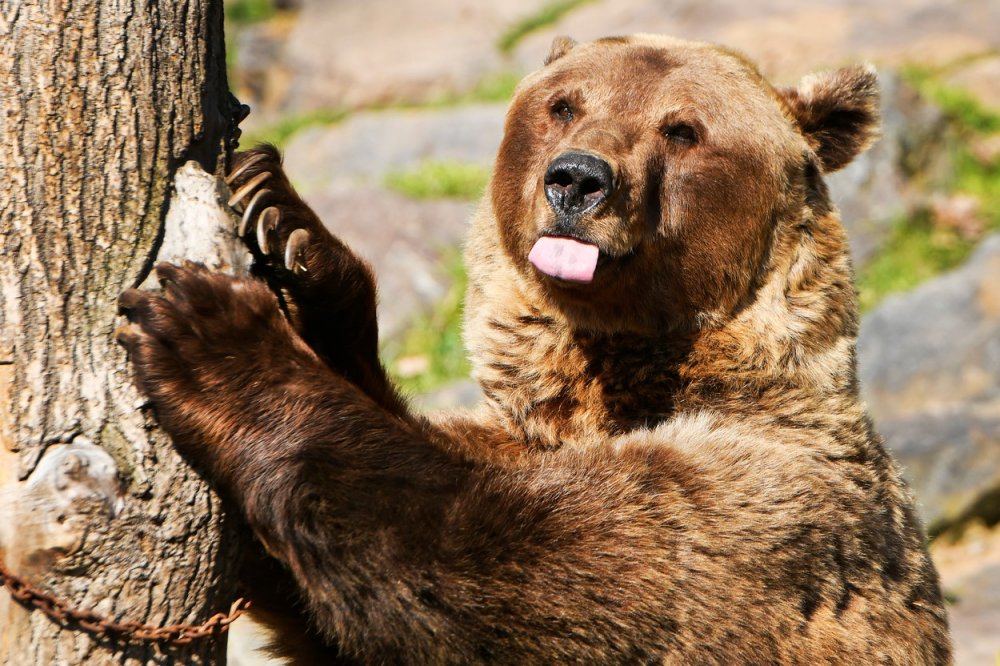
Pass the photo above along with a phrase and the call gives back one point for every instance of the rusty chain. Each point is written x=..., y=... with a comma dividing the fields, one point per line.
x=58, y=610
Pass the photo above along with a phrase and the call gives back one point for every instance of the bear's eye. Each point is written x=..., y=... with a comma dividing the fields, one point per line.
x=562, y=111
x=681, y=133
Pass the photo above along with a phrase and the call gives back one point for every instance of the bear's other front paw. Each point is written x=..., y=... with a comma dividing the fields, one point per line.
x=282, y=230
x=326, y=290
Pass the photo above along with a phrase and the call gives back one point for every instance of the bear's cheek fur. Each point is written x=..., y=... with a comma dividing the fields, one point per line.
x=518, y=200
x=716, y=224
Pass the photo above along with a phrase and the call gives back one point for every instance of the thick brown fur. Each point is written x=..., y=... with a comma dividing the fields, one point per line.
x=672, y=464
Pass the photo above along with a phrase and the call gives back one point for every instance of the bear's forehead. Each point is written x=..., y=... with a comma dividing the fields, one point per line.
x=631, y=65
x=669, y=52
x=650, y=76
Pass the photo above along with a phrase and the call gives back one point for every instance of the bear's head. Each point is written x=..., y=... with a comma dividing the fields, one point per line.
x=649, y=183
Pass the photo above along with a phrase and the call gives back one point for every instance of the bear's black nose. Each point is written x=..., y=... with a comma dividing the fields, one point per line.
x=577, y=182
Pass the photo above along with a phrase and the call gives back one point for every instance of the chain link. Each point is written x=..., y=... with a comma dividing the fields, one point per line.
x=58, y=610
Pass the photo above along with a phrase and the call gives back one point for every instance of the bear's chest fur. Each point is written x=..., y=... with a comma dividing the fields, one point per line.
x=554, y=388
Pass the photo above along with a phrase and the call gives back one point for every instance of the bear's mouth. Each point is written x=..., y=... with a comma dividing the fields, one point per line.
x=566, y=258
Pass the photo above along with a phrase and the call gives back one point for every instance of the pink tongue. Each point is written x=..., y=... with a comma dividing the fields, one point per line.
x=564, y=258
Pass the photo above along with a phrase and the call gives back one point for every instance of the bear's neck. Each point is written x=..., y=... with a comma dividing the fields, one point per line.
x=554, y=385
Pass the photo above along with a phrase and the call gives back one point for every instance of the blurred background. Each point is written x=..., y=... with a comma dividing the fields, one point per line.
x=390, y=112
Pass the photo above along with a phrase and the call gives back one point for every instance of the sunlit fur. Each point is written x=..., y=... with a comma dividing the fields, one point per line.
x=672, y=463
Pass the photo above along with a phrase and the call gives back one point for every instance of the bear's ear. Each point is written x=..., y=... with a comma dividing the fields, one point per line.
x=838, y=112
x=560, y=47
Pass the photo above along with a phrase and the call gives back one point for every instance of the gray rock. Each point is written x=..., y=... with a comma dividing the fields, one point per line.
x=368, y=145
x=951, y=456
x=353, y=54
x=342, y=54
x=976, y=617
x=789, y=39
x=930, y=373
x=258, y=50
x=259, y=75
x=970, y=576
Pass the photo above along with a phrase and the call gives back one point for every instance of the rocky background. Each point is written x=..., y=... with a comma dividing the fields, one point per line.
x=390, y=112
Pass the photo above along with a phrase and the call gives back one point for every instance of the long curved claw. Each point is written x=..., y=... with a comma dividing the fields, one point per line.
x=250, y=161
x=248, y=211
x=248, y=187
x=296, y=244
x=266, y=223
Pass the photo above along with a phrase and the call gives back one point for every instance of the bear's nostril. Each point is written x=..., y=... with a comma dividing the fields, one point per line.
x=559, y=178
x=590, y=188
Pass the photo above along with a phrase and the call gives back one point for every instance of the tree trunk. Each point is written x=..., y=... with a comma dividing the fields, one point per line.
x=100, y=105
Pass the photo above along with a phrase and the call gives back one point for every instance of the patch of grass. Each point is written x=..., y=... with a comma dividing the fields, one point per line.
x=496, y=87
x=917, y=249
x=280, y=132
x=493, y=88
x=961, y=107
x=435, y=340
x=440, y=180
x=249, y=11
x=980, y=180
x=546, y=15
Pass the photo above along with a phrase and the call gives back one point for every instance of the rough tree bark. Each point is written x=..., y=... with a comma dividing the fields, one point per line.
x=101, y=103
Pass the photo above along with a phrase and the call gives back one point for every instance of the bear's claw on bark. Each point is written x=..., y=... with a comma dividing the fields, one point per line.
x=268, y=221
x=325, y=290
x=248, y=187
x=250, y=161
x=293, y=251
x=248, y=212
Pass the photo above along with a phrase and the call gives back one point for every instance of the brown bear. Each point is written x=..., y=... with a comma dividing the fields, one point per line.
x=672, y=463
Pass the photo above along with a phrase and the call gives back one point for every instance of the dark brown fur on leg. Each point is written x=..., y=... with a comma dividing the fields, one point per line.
x=329, y=295
x=232, y=330
x=278, y=604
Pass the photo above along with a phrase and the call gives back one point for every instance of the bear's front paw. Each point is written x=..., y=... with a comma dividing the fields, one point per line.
x=206, y=332
x=327, y=291
x=282, y=230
